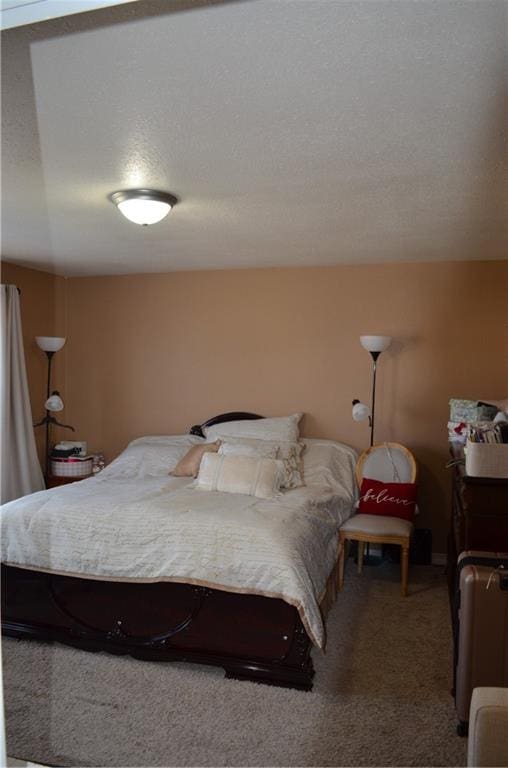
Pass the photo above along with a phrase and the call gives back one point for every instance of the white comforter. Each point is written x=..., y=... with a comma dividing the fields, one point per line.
x=159, y=528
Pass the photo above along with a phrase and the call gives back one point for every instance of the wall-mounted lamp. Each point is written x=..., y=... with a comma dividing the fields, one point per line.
x=143, y=206
x=54, y=403
x=360, y=412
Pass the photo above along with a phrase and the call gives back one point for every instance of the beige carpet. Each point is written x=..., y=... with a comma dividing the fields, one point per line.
x=381, y=696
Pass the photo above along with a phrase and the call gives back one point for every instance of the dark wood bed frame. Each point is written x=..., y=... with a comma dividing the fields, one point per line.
x=252, y=637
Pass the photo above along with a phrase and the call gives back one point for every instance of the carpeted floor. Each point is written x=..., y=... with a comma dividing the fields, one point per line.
x=381, y=696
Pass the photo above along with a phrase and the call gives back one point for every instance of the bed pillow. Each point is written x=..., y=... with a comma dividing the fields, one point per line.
x=188, y=466
x=283, y=428
x=150, y=457
x=289, y=453
x=378, y=497
x=248, y=446
x=330, y=466
x=250, y=475
x=291, y=456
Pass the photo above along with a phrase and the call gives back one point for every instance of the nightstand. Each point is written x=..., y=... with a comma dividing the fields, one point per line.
x=54, y=482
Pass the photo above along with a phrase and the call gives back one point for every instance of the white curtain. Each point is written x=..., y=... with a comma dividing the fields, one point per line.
x=21, y=471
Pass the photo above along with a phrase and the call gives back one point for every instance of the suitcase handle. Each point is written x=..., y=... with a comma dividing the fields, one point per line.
x=503, y=578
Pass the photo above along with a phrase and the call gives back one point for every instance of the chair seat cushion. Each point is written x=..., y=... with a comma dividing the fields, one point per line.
x=377, y=525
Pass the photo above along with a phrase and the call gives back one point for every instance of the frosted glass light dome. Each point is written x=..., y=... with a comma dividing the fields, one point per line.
x=54, y=403
x=50, y=343
x=375, y=343
x=143, y=206
x=360, y=411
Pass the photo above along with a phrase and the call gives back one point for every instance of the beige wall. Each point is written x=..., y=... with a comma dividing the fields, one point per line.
x=153, y=354
x=42, y=310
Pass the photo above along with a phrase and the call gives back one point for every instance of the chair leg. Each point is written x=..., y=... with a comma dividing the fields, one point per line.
x=342, y=556
x=361, y=550
x=404, y=563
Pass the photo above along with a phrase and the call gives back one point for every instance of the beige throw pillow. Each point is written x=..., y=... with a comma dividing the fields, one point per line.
x=291, y=456
x=237, y=446
x=289, y=453
x=249, y=475
x=188, y=466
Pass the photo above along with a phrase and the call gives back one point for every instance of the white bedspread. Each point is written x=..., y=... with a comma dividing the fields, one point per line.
x=161, y=529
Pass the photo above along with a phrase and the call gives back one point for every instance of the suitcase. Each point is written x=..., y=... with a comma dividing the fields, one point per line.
x=481, y=627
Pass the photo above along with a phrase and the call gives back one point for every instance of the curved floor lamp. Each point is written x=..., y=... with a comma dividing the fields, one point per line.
x=54, y=403
x=375, y=345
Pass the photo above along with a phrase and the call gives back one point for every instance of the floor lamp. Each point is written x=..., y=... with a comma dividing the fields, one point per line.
x=374, y=345
x=54, y=403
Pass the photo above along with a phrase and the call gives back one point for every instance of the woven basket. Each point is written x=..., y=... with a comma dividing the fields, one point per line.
x=487, y=459
x=71, y=467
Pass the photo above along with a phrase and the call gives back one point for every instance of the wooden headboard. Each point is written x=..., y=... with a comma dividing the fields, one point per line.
x=197, y=429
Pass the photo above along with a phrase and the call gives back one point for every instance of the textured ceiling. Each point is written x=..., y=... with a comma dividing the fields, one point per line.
x=294, y=133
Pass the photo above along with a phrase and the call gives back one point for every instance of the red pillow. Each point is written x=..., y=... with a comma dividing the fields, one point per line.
x=389, y=499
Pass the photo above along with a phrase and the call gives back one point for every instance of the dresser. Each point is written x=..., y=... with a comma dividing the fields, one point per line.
x=479, y=519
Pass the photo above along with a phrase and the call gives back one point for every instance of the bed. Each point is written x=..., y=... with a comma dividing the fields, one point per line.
x=136, y=562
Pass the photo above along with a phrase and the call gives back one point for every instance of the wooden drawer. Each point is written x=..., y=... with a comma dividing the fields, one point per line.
x=480, y=513
x=53, y=482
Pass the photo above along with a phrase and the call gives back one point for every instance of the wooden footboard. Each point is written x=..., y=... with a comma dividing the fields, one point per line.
x=251, y=637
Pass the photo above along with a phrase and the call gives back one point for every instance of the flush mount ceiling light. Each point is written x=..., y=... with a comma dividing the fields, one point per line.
x=143, y=206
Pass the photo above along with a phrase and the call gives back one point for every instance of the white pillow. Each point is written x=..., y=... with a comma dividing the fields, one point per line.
x=331, y=466
x=279, y=428
x=253, y=476
x=150, y=457
x=289, y=453
x=246, y=446
x=291, y=456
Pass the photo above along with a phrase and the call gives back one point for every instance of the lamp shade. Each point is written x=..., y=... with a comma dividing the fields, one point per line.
x=50, y=343
x=360, y=411
x=54, y=403
x=375, y=343
x=143, y=206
